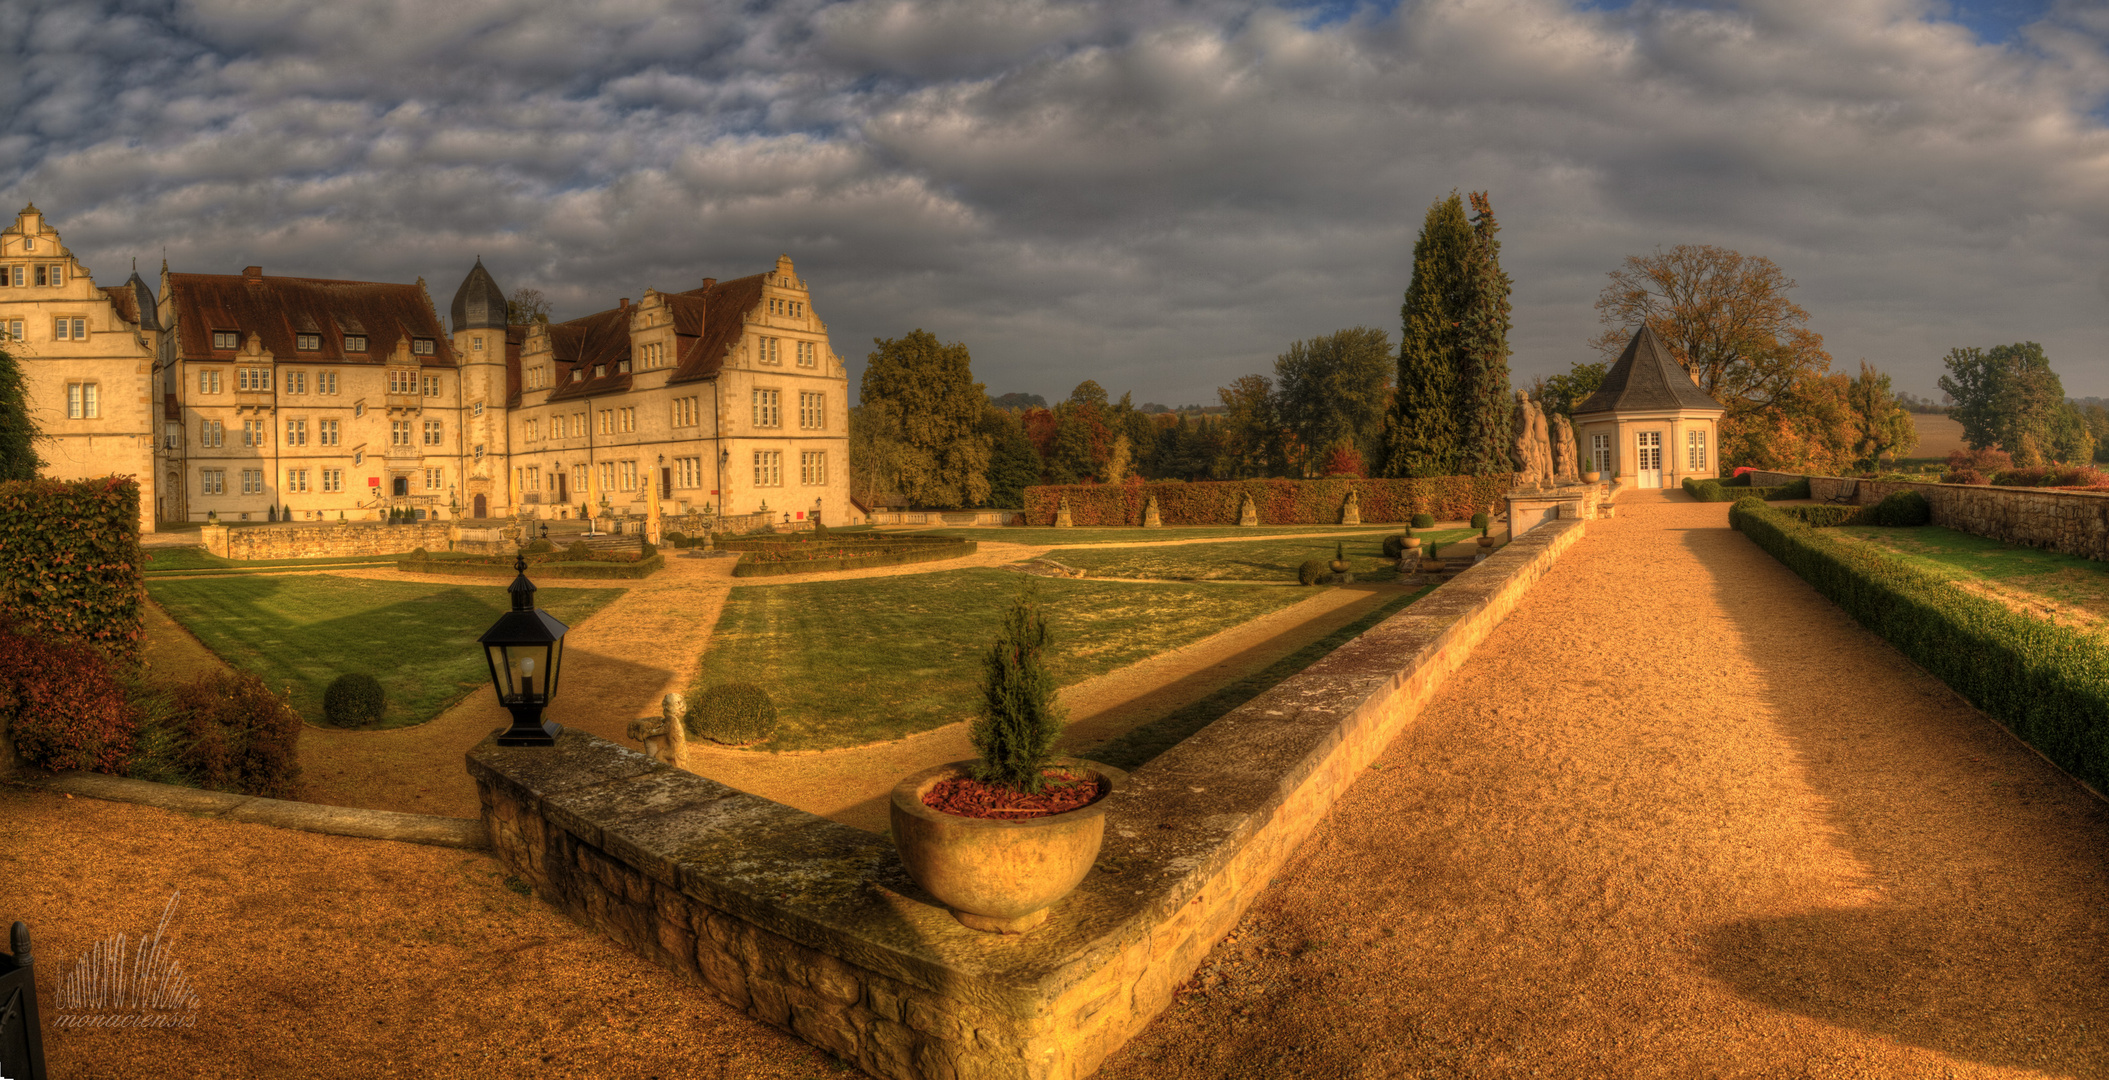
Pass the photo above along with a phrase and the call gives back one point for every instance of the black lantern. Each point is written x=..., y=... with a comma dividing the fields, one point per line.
x=525, y=648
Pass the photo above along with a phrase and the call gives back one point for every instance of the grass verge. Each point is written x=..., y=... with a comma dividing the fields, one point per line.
x=419, y=640
x=860, y=661
x=1139, y=745
x=2050, y=577
x=1247, y=560
x=186, y=559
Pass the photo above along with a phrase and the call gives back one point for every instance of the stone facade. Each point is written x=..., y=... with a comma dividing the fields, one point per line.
x=2074, y=522
x=252, y=396
x=87, y=359
x=815, y=927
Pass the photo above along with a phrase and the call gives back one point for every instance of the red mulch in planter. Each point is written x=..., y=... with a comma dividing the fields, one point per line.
x=967, y=797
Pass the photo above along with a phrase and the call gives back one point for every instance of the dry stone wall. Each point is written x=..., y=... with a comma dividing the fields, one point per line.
x=815, y=927
x=2074, y=522
x=314, y=541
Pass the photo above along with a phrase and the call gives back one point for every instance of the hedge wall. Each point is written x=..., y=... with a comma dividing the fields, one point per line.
x=69, y=561
x=751, y=566
x=1721, y=491
x=2049, y=684
x=504, y=568
x=1280, y=502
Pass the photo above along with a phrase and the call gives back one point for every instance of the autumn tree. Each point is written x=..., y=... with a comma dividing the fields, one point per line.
x=1881, y=426
x=527, y=306
x=1013, y=463
x=1420, y=431
x=2006, y=396
x=1333, y=391
x=931, y=405
x=18, y=434
x=1081, y=438
x=1562, y=393
x=1252, y=445
x=1726, y=318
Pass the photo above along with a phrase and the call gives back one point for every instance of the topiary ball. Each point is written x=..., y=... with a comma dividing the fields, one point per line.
x=1313, y=572
x=354, y=699
x=540, y=547
x=1424, y=521
x=578, y=550
x=735, y=714
x=420, y=553
x=1902, y=509
x=647, y=550
x=1479, y=521
x=677, y=538
x=1393, y=545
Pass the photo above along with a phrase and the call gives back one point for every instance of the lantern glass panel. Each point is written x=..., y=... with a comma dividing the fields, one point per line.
x=501, y=671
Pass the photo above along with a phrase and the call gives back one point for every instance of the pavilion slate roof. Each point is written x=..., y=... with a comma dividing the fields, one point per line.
x=1646, y=377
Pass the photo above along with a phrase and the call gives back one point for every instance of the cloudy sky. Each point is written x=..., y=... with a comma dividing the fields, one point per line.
x=1157, y=195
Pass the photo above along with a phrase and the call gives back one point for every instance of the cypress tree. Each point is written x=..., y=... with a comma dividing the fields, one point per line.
x=1420, y=430
x=1020, y=714
x=18, y=436
x=1484, y=409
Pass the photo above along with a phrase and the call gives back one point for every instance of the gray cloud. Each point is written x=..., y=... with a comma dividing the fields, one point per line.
x=1156, y=195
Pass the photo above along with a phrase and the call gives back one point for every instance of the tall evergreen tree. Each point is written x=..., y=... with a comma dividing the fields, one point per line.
x=1420, y=431
x=1485, y=409
x=18, y=436
x=1013, y=463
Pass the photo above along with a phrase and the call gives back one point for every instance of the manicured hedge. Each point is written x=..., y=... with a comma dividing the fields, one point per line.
x=1720, y=491
x=1280, y=502
x=2049, y=684
x=69, y=561
x=504, y=568
x=756, y=564
x=1823, y=515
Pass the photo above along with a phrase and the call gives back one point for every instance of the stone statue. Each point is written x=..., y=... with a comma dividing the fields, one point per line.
x=1151, y=519
x=1248, y=514
x=1062, y=518
x=1532, y=454
x=1566, y=463
x=1351, y=511
x=665, y=737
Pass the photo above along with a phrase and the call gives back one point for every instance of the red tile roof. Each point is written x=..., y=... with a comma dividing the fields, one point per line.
x=707, y=322
x=276, y=308
x=125, y=300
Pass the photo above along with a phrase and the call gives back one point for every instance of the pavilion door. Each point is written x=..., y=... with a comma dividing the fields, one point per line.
x=1648, y=460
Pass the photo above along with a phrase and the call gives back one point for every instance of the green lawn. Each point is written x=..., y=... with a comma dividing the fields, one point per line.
x=419, y=640
x=2080, y=587
x=1133, y=535
x=1133, y=749
x=1248, y=560
x=181, y=559
x=859, y=661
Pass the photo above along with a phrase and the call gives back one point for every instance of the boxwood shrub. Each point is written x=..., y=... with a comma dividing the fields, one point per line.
x=2047, y=683
x=1899, y=509
x=732, y=713
x=1314, y=572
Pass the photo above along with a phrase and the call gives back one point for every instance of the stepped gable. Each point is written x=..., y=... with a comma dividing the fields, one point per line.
x=1646, y=378
x=275, y=308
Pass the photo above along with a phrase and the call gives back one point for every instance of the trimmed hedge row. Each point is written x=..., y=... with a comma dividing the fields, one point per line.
x=1717, y=491
x=552, y=569
x=1280, y=502
x=69, y=561
x=2049, y=684
x=758, y=543
x=749, y=566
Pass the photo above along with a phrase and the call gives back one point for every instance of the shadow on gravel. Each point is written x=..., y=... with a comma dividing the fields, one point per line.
x=1990, y=867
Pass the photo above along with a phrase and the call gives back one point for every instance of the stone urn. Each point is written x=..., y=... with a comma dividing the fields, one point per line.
x=999, y=876
x=1486, y=544
x=1591, y=476
x=1412, y=544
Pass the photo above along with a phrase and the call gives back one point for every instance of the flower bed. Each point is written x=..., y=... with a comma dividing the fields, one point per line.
x=813, y=557
x=1279, y=502
x=610, y=566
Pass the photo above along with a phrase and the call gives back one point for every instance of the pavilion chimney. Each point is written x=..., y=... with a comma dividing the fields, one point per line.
x=709, y=281
x=253, y=273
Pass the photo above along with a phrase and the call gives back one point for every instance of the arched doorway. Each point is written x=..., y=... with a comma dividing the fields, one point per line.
x=480, y=507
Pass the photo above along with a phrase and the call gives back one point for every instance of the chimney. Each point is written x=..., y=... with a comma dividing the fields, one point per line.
x=626, y=303
x=709, y=281
x=253, y=273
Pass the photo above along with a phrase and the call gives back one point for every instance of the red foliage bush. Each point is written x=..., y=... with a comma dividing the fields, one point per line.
x=238, y=735
x=1741, y=470
x=2083, y=476
x=1965, y=476
x=1979, y=463
x=1343, y=461
x=1280, y=502
x=64, y=705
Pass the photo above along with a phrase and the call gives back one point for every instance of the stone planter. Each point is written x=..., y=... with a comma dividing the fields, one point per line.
x=1412, y=544
x=1486, y=544
x=998, y=876
x=1592, y=476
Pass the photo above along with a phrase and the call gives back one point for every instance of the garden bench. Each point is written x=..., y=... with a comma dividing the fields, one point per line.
x=1849, y=495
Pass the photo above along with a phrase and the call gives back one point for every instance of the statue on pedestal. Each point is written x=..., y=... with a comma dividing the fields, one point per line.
x=1566, y=458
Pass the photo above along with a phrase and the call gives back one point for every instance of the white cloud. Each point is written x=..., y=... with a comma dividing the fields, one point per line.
x=1153, y=194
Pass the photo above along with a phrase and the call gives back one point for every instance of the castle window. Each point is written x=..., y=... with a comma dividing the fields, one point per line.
x=296, y=382
x=327, y=431
x=83, y=401
x=212, y=481
x=296, y=479
x=325, y=382
x=812, y=410
x=17, y=276
x=808, y=354
x=421, y=346
x=211, y=433
x=768, y=468
x=209, y=381
x=476, y=343
x=812, y=467
x=296, y=433
x=766, y=409
x=435, y=432
x=354, y=343
x=333, y=479
x=431, y=386
x=12, y=329
x=226, y=339
x=40, y=275
x=307, y=342
x=63, y=329
x=476, y=409
x=252, y=481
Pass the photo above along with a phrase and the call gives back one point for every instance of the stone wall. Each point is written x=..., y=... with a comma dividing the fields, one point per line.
x=314, y=541
x=815, y=927
x=947, y=518
x=2074, y=522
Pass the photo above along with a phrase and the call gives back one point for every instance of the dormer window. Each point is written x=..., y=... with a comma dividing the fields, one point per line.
x=578, y=374
x=354, y=343
x=599, y=370
x=622, y=367
x=307, y=342
x=226, y=339
x=421, y=346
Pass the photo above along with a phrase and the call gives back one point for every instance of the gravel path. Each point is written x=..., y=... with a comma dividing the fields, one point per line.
x=1680, y=817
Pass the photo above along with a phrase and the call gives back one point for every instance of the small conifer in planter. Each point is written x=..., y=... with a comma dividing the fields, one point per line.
x=1020, y=717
